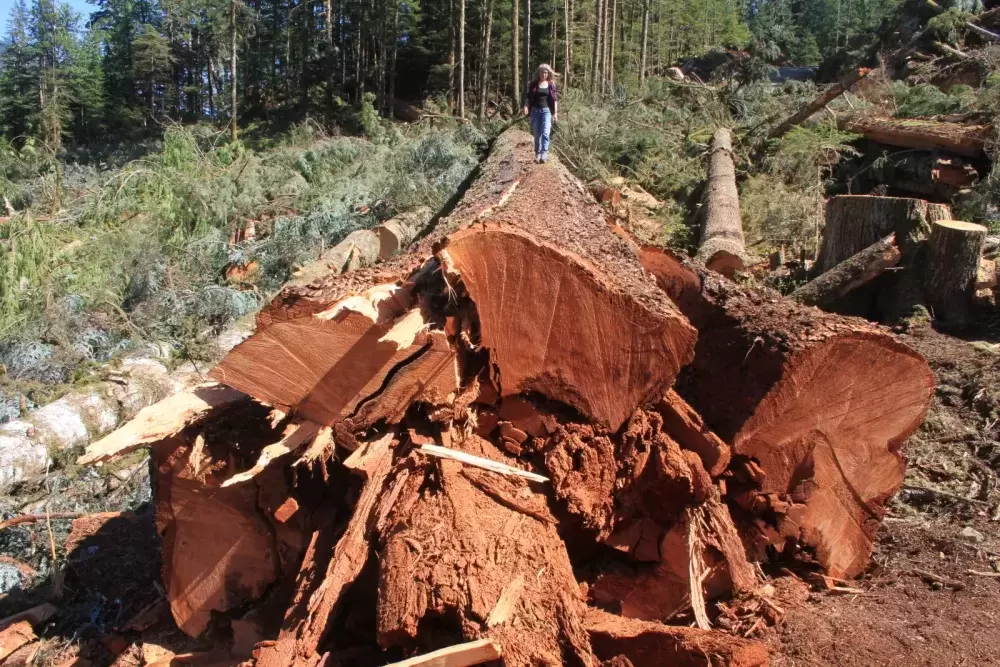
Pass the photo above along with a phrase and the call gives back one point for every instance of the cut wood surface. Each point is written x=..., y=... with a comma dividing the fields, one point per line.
x=855, y=222
x=461, y=655
x=397, y=233
x=957, y=138
x=955, y=250
x=821, y=402
x=722, y=246
x=849, y=274
x=14, y=637
x=162, y=421
x=820, y=101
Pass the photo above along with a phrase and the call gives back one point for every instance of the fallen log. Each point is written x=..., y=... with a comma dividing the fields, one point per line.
x=399, y=232
x=827, y=96
x=955, y=250
x=565, y=268
x=957, y=138
x=722, y=246
x=849, y=274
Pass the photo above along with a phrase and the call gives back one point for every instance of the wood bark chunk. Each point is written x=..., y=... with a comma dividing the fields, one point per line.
x=162, y=421
x=952, y=267
x=14, y=637
x=461, y=655
x=937, y=212
x=966, y=140
x=651, y=644
x=584, y=308
x=855, y=222
x=218, y=550
x=821, y=402
x=685, y=424
x=820, y=101
x=722, y=247
x=451, y=549
x=853, y=272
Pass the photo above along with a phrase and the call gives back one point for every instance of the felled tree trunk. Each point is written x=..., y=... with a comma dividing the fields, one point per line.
x=722, y=246
x=966, y=140
x=399, y=232
x=584, y=308
x=850, y=274
x=820, y=403
x=955, y=249
x=924, y=173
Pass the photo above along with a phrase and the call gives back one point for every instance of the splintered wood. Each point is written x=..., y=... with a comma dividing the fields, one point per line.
x=417, y=459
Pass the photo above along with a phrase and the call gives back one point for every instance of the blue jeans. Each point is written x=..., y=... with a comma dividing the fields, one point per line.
x=541, y=125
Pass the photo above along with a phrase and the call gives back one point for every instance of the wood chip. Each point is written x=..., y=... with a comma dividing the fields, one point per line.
x=480, y=462
x=461, y=655
x=506, y=602
x=294, y=439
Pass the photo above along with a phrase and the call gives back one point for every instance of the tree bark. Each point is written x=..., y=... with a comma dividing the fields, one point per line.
x=461, y=59
x=644, y=50
x=722, y=247
x=614, y=39
x=517, y=86
x=960, y=139
x=484, y=65
x=821, y=101
x=955, y=249
x=234, y=129
x=595, y=68
x=527, y=39
x=850, y=274
x=854, y=222
x=452, y=41
x=937, y=212
x=567, y=46
x=604, y=45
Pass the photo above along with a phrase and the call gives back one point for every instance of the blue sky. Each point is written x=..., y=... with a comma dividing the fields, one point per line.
x=80, y=6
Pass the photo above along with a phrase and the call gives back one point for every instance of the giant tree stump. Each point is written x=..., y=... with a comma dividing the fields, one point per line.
x=952, y=267
x=855, y=222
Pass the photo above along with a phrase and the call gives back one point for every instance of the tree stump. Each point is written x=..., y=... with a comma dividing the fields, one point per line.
x=952, y=265
x=854, y=222
x=722, y=246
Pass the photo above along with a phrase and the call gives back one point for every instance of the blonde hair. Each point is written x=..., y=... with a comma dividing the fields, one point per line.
x=543, y=68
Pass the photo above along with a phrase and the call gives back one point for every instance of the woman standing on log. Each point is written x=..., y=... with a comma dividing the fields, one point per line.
x=541, y=99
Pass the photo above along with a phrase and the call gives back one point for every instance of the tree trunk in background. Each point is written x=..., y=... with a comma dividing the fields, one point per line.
x=555, y=37
x=515, y=64
x=392, y=61
x=614, y=38
x=605, y=38
x=527, y=39
x=595, y=69
x=461, y=59
x=484, y=65
x=568, y=46
x=330, y=63
x=234, y=129
x=644, y=49
x=452, y=37
x=952, y=266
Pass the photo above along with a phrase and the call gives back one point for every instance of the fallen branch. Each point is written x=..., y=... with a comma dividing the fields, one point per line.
x=821, y=101
x=850, y=274
x=932, y=578
x=32, y=518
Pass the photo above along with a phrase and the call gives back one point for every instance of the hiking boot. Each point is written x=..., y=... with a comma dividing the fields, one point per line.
x=538, y=158
x=544, y=158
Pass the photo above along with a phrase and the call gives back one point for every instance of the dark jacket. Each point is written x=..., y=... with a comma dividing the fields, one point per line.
x=532, y=89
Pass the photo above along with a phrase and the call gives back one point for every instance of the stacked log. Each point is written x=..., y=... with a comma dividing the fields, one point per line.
x=418, y=449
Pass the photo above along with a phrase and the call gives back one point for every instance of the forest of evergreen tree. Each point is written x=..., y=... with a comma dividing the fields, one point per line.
x=132, y=65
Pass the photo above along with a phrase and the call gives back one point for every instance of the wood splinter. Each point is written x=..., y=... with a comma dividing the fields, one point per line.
x=460, y=655
x=480, y=462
